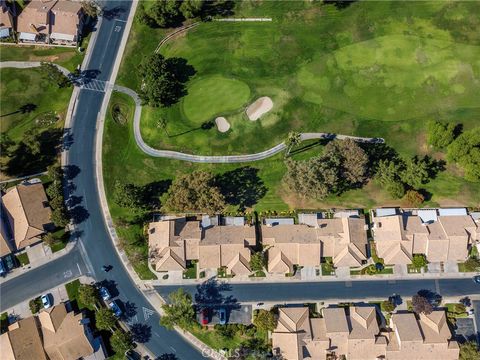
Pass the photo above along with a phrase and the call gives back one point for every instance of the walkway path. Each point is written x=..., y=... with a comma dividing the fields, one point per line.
x=183, y=156
x=220, y=159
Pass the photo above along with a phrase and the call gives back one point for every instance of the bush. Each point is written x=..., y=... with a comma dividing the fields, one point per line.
x=472, y=264
x=419, y=261
x=387, y=306
x=35, y=305
x=414, y=198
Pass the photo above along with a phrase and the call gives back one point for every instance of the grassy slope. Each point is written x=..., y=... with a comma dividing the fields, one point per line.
x=330, y=32
x=20, y=87
x=66, y=57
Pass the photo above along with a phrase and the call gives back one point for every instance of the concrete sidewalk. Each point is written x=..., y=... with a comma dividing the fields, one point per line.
x=38, y=261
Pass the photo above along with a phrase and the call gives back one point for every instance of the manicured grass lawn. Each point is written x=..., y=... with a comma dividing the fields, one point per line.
x=62, y=238
x=362, y=70
x=23, y=259
x=3, y=322
x=384, y=271
x=216, y=341
x=452, y=311
x=72, y=292
x=214, y=95
x=67, y=57
x=28, y=102
x=190, y=272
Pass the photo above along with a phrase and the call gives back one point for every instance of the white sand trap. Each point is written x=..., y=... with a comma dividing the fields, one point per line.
x=222, y=124
x=259, y=107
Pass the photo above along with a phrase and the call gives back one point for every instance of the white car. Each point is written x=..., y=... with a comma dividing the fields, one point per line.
x=46, y=301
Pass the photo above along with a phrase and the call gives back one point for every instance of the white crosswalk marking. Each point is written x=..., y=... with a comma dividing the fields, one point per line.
x=95, y=85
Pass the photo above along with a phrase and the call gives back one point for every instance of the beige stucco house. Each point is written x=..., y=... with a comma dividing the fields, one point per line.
x=54, y=334
x=343, y=239
x=174, y=242
x=356, y=335
x=50, y=21
x=6, y=20
x=27, y=212
x=439, y=234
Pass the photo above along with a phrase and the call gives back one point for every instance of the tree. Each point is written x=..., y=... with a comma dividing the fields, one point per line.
x=387, y=306
x=105, y=319
x=143, y=17
x=414, y=198
x=88, y=294
x=421, y=305
x=54, y=74
x=342, y=166
x=440, y=135
x=90, y=7
x=469, y=351
x=179, y=312
x=293, y=139
x=465, y=151
x=121, y=341
x=258, y=261
x=395, y=189
x=30, y=139
x=165, y=12
x=127, y=195
x=60, y=216
x=191, y=8
x=163, y=80
x=49, y=239
x=416, y=172
x=194, y=192
x=419, y=261
x=265, y=320
x=5, y=144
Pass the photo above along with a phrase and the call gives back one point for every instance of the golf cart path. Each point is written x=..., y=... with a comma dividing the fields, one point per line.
x=221, y=159
x=191, y=157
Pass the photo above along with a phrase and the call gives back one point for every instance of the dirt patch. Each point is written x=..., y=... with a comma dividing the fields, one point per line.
x=222, y=124
x=259, y=107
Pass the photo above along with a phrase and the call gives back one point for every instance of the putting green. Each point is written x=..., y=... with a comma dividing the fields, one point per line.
x=214, y=95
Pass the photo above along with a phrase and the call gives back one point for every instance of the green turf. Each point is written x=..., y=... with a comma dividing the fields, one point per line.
x=21, y=87
x=214, y=95
x=67, y=57
x=370, y=69
x=23, y=259
x=72, y=292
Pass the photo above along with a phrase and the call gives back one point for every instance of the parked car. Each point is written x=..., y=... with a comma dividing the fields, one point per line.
x=3, y=269
x=115, y=308
x=105, y=294
x=46, y=301
x=204, y=317
x=476, y=279
x=222, y=316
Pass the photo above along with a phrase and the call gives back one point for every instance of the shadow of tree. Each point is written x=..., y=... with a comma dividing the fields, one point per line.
x=210, y=294
x=24, y=109
x=167, y=357
x=152, y=192
x=34, y=155
x=71, y=171
x=79, y=214
x=141, y=333
x=213, y=8
x=242, y=186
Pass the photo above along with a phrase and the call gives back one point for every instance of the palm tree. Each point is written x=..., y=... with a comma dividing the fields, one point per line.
x=293, y=139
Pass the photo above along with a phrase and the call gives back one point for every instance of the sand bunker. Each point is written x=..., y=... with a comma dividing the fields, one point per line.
x=222, y=124
x=259, y=107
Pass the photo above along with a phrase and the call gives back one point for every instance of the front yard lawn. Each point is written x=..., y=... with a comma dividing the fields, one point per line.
x=61, y=240
x=191, y=271
x=456, y=310
x=327, y=267
x=23, y=259
x=72, y=291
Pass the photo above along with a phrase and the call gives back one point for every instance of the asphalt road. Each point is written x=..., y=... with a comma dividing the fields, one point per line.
x=341, y=290
x=48, y=276
x=90, y=226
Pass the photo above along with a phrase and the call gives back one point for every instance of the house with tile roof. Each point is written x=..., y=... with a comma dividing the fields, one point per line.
x=50, y=21
x=27, y=212
x=355, y=334
x=174, y=242
x=6, y=20
x=344, y=239
x=441, y=238
x=55, y=334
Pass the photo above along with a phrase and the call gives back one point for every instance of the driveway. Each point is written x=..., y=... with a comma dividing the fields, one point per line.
x=240, y=315
x=465, y=329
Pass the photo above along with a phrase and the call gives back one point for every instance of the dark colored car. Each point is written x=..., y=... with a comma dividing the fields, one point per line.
x=222, y=316
x=476, y=279
x=105, y=294
x=204, y=317
x=115, y=308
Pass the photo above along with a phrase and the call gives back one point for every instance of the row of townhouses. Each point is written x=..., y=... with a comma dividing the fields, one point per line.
x=442, y=235
x=42, y=22
x=355, y=333
x=54, y=333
